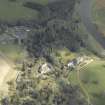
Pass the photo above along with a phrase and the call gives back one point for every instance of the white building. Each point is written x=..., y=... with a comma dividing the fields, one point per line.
x=46, y=68
x=71, y=64
x=80, y=60
x=75, y=62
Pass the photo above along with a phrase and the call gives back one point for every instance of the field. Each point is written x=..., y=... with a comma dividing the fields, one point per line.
x=14, y=10
x=99, y=14
x=65, y=55
x=93, y=81
x=13, y=52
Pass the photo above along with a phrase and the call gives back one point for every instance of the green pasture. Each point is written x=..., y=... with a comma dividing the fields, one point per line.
x=14, y=10
x=93, y=80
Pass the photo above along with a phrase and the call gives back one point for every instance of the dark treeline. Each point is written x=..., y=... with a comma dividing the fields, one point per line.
x=62, y=9
x=33, y=5
x=55, y=35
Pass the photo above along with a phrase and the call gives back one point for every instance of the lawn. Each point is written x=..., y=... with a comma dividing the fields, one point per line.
x=93, y=80
x=13, y=11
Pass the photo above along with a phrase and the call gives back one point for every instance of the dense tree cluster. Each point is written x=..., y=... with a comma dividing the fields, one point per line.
x=55, y=34
x=55, y=30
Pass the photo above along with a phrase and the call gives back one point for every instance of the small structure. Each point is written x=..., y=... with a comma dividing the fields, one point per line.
x=27, y=30
x=45, y=68
x=80, y=60
x=75, y=62
x=71, y=64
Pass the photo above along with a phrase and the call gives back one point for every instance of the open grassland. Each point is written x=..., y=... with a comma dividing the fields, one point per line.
x=13, y=52
x=99, y=14
x=93, y=80
x=14, y=10
x=65, y=55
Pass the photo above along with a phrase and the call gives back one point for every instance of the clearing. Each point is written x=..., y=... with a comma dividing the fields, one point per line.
x=7, y=73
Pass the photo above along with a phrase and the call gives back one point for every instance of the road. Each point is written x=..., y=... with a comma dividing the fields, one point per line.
x=86, y=17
